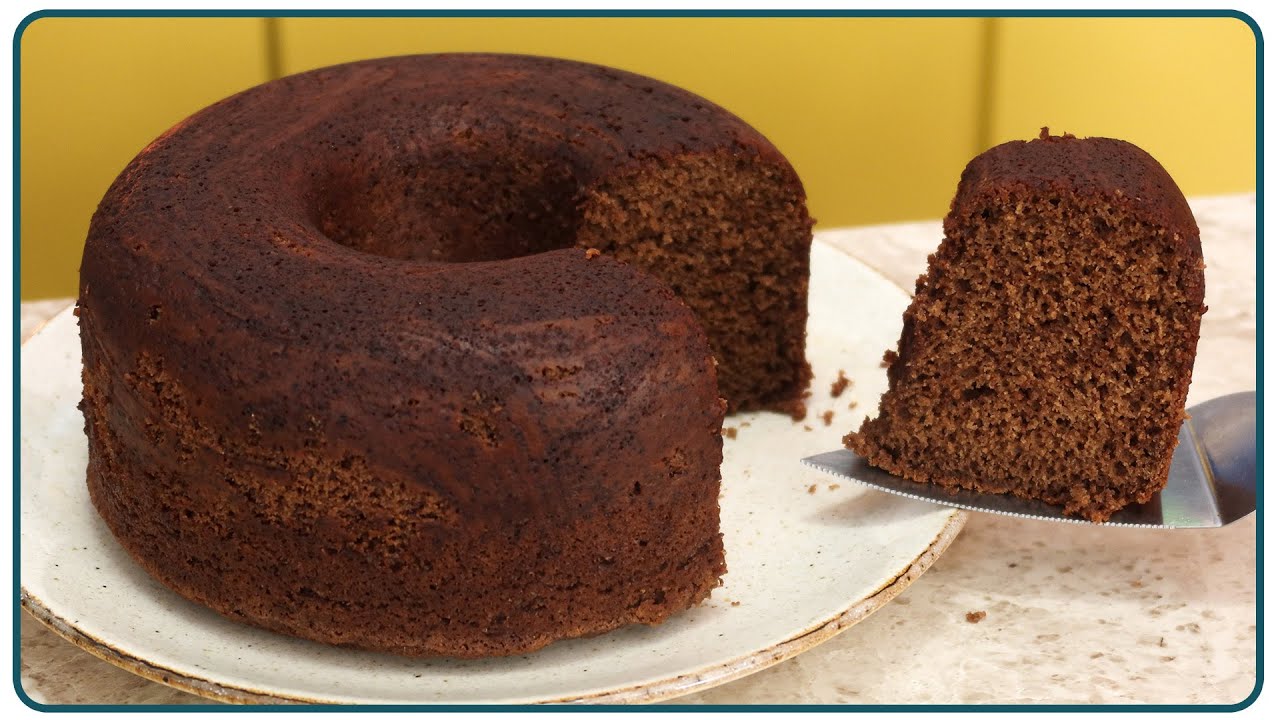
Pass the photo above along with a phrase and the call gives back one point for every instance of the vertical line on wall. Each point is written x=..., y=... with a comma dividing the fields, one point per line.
x=274, y=52
x=988, y=43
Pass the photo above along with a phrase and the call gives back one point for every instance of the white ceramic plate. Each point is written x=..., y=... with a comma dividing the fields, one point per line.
x=807, y=557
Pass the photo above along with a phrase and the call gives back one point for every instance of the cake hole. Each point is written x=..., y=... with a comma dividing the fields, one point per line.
x=472, y=201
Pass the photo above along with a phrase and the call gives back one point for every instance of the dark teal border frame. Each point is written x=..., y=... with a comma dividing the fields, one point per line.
x=17, y=351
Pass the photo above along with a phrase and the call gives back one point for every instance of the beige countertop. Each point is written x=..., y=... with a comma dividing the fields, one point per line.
x=1074, y=614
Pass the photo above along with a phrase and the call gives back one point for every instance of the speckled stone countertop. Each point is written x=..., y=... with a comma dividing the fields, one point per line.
x=1074, y=614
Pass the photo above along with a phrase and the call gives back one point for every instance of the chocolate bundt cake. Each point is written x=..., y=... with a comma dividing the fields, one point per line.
x=1048, y=349
x=419, y=354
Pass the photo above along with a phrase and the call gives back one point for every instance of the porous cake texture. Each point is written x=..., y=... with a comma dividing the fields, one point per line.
x=1049, y=346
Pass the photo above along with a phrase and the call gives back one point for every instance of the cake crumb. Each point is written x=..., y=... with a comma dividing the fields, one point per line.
x=808, y=429
x=827, y=416
x=890, y=357
x=833, y=486
x=1044, y=135
x=735, y=603
x=853, y=405
x=813, y=488
x=730, y=432
x=976, y=616
x=592, y=252
x=838, y=387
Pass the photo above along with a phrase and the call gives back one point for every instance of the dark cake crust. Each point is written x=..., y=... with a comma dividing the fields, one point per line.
x=1048, y=350
x=1102, y=169
x=347, y=377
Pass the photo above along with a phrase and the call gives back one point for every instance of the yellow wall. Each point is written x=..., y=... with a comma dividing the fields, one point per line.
x=1180, y=88
x=878, y=115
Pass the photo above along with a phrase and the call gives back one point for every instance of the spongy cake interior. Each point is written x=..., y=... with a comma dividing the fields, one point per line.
x=733, y=243
x=1044, y=355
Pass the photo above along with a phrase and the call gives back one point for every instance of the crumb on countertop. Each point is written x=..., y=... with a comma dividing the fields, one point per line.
x=976, y=616
x=833, y=486
x=808, y=429
x=813, y=488
x=838, y=387
x=730, y=432
x=735, y=603
x=853, y=404
x=827, y=416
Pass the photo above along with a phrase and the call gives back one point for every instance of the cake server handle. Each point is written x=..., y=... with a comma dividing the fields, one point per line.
x=1226, y=430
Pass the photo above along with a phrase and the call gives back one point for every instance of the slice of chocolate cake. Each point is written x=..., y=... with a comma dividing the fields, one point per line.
x=1048, y=349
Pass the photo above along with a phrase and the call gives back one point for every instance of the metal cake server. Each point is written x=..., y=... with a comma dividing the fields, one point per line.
x=1212, y=482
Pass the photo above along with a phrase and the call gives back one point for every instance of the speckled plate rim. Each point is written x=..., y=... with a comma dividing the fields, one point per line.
x=664, y=689
x=652, y=692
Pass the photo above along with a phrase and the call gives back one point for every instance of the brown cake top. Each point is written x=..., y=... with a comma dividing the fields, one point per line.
x=227, y=231
x=1114, y=171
